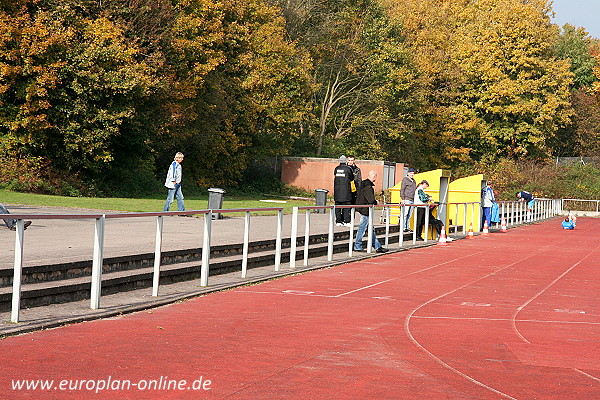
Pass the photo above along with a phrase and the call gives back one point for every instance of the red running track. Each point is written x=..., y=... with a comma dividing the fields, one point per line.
x=508, y=316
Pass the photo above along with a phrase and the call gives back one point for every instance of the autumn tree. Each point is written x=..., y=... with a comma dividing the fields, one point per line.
x=239, y=86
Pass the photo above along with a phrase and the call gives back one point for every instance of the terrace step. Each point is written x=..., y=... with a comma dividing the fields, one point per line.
x=136, y=271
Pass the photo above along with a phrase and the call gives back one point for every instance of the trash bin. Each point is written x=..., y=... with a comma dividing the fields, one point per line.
x=321, y=198
x=215, y=201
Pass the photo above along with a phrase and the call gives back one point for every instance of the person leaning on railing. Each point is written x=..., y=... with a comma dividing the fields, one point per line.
x=11, y=223
x=366, y=196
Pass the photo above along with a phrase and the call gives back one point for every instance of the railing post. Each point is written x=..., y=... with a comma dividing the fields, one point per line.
x=306, y=237
x=278, y=240
x=205, y=268
x=331, y=233
x=386, y=210
x=18, y=272
x=157, y=255
x=402, y=210
x=415, y=212
x=370, y=230
x=455, y=222
x=426, y=208
x=293, y=237
x=465, y=219
x=246, y=244
x=97, y=262
x=351, y=239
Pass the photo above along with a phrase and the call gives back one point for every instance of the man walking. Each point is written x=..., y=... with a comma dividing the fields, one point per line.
x=173, y=183
x=342, y=192
x=366, y=195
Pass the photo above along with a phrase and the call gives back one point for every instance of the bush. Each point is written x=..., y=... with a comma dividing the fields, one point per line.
x=543, y=179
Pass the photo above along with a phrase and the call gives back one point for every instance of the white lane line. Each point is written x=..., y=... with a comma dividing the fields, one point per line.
x=514, y=316
x=509, y=319
x=436, y=358
x=586, y=374
x=405, y=275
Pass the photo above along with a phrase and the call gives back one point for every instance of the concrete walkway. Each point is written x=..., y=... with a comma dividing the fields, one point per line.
x=49, y=241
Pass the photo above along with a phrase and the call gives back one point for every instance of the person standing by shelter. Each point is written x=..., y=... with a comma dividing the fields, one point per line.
x=407, y=194
x=487, y=202
x=527, y=197
x=421, y=198
x=366, y=196
x=356, y=178
x=173, y=183
x=342, y=192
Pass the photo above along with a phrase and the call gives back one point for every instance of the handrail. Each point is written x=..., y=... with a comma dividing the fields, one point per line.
x=98, y=251
x=513, y=211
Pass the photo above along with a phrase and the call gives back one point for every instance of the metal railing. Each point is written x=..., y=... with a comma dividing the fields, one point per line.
x=514, y=212
x=98, y=250
x=581, y=205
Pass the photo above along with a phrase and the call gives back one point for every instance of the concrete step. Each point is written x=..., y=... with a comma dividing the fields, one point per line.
x=83, y=268
x=37, y=292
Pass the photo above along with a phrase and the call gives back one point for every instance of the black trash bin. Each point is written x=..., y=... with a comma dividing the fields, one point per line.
x=321, y=198
x=215, y=201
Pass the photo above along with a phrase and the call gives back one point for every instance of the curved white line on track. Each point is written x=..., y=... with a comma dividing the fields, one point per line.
x=439, y=360
x=514, y=316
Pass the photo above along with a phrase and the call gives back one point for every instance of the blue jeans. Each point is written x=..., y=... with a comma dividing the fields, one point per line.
x=175, y=192
x=9, y=222
x=486, y=216
x=408, y=214
x=362, y=227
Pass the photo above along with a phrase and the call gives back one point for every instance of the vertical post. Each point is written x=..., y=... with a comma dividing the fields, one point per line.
x=386, y=210
x=415, y=212
x=278, y=240
x=370, y=231
x=351, y=240
x=293, y=237
x=465, y=220
x=306, y=237
x=402, y=209
x=426, y=208
x=246, y=244
x=18, y=272
x=330, y=236
x=205, y=268
x=97, y=263
x=455, y=222
x=157, y=255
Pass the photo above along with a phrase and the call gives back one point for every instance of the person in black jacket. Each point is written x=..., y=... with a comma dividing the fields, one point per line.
x=366, y=195
x=356, y=178
x=342, y=192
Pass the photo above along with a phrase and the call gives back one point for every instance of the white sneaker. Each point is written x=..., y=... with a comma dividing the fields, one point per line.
x=347, y=224
x=339, y=224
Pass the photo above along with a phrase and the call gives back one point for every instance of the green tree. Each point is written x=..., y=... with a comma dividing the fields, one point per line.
x=69, y=90
x=239, y=87
x=575, y=45
x=515, y=92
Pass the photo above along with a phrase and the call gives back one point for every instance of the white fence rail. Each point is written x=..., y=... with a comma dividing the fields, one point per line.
x=514, y=212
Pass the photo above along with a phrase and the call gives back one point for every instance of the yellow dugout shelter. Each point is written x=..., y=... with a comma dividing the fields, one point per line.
x=439, y=180
x=466, y=190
